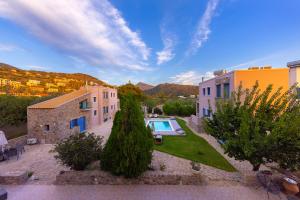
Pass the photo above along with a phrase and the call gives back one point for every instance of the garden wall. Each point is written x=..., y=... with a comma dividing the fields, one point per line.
x=18, y=140
x=96, y=177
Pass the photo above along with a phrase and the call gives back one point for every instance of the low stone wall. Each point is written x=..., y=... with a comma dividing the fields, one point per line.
x=13, y=178
x=18, y=140
x=196, y=123
x=96, y=177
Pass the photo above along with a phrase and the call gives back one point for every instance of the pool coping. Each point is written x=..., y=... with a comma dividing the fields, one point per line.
x=168, y=133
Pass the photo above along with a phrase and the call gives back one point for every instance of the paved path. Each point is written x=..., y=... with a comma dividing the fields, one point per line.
x=50, y=192
x=102, y=130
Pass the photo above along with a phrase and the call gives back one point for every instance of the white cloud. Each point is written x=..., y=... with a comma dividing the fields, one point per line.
x=38, y=68
x=190, y=77
x=93, y=31
x=203, y=27
x=169, y=42
x=8, y=47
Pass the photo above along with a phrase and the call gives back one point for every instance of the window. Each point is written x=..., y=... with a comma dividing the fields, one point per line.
x=226, y=90
x=111, y=94
x=203, y=91
x=105, y=95
x=218, y=91
x=105, y=109
x=47, y=127
x=203, y=112
x=208, y=91
x=95, y=99
x=95, y=112
x=83, y=104
x=111, y=107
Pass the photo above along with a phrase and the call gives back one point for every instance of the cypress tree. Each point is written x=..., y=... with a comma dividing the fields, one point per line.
x=128, y=150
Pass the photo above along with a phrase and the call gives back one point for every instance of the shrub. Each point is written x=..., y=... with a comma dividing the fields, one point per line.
x=180, y=107
x=157, y=111
x=79, y=150
x=128, y=150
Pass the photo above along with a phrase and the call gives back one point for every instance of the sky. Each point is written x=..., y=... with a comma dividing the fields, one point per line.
x=153, y=41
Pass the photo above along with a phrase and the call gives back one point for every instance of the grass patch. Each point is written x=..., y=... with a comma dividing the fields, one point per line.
x=194, y=148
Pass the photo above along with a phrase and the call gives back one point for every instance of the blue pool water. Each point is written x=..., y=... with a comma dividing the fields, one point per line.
x=160, y=125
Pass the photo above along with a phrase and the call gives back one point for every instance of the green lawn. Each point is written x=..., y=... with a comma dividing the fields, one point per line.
x=193, y=147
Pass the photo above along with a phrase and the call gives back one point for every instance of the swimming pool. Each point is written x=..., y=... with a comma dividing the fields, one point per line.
x=160, y=125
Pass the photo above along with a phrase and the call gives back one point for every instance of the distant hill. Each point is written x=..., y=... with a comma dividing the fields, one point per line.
x=30, y=82
x=144, y=86
x=173, y=90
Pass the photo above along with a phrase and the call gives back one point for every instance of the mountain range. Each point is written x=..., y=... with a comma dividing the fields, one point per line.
x=168, y=89
x=21, y=82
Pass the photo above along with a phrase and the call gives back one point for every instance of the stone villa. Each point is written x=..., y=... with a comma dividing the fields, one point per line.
x=57, y=118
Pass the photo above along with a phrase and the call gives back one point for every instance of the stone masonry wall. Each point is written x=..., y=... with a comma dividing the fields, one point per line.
x=96, y=177
x=58, y=120
x=18, y=140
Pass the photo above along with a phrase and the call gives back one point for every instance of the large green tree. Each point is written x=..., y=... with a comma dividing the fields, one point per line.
x=128, y=150
x=247, y=121
x=129, y=88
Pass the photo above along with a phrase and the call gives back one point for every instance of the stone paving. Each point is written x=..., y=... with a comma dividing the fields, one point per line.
x=136, y=192
x=102, y=130
x=38, y=160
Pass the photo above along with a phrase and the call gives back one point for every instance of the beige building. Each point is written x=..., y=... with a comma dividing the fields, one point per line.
x=32, y=82
x=37, y=89
x=3, y=82
x=57, y=118
x=49, y=85
x=52, y=90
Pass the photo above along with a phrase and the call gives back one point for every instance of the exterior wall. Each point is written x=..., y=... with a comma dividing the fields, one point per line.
x=58, y=120
x=111, y=102
x=294, y=74
x=279, y=77
x=209, y=101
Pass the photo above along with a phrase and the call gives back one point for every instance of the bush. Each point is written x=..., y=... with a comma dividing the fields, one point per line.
x=79, y=150
x=180, y=107
x=157, y=111
x=128, y=150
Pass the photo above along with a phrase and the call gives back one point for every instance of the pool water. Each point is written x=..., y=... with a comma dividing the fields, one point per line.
x=160, y=125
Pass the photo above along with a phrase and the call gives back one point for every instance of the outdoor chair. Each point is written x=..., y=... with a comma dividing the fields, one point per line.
x=3, y=194
x=265, y=179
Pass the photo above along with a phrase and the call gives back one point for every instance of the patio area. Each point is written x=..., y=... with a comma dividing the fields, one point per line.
x=36, y=159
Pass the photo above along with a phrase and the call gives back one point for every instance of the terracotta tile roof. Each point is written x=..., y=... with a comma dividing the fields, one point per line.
x=58, y=101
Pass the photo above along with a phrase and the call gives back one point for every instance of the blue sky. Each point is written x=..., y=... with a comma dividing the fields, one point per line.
x=153, y=41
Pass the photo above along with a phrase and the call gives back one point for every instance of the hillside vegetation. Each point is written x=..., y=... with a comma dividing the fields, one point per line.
x=45, y=83
x=172, y=90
